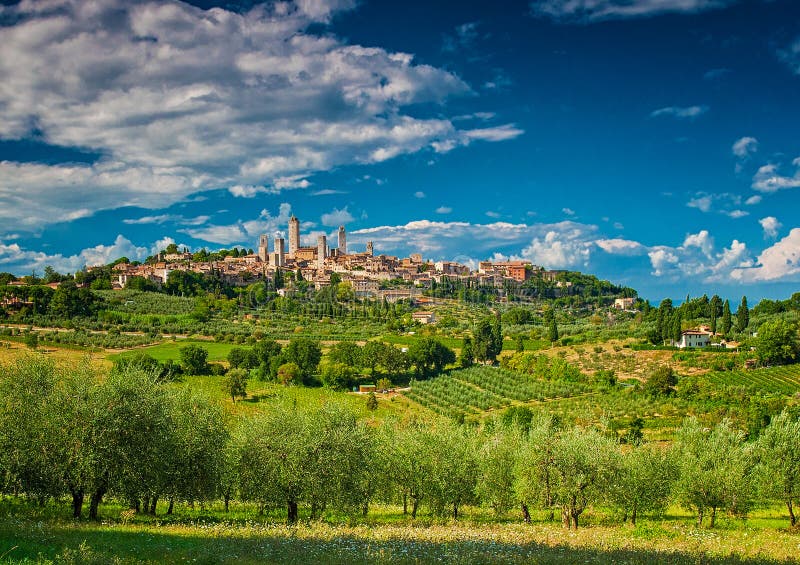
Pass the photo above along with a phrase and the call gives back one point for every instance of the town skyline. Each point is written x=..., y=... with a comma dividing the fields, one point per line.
x=650, y=144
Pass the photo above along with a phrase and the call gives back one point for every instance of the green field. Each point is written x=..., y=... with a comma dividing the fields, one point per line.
x=785, y=379
x=170, y=350
x=479, y=389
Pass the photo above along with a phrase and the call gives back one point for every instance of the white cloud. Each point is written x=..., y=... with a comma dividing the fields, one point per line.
x=336, y=217
x=755, y=199
x=702, y=203
x=446, y=240
x=587, y=11
x=14, y=258
x=767, y=179
x=165, y=218
x=702, y=240
x=617, y=246
x=558, y=250
x=244, y=232
x=568, y=211
x=770, y=225
x=698, y=258
x=419, y=194
x=779, y=262
x=327, y=192
x=687, y=112
x=662, y=260
x=736, y=214
x=444, y=210
x=734, y=257
x=723, y=203
x=493, y=214
x=744, y=147
x=179, y=100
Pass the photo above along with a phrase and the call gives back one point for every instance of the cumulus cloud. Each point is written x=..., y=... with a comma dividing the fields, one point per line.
x=178, y=100
x=559, y=249
x=723, y=203
x=336, y=217
x=701, y=240
x=781, y=261
x=17, y=259
x=662, y=260
x=444, y=210
x=617, y=246
x=586, y=11
x=243, y=232
x=419, y=194
x=698, y=257
x=744, y=147
x=768, y=179
x=770, y=225
x=687, y=112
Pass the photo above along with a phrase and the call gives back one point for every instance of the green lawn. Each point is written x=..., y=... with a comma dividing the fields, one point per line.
x=171, y=350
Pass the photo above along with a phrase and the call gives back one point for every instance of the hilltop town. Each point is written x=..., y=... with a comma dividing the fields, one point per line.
x=363, y=270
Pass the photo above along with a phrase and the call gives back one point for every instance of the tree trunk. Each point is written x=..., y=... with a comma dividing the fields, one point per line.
x=414, y=506
x=314, y=511
x=227, y=499
x=146, y=504
x=405, y=504
x=291, y=512
x=526, y=515
x=455, y=511
x=135, y=504
x=792, y=517
x=565, y=521
x=713, y=516
x=552, y=515
x=365, y=509
x=94, y=502
x=633, y=515
x=171, y=506
x=153, y=505
x=575, y=520
x=77, y=503
x=699, y=517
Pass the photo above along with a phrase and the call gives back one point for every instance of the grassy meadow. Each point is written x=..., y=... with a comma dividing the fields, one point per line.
x=243, y=536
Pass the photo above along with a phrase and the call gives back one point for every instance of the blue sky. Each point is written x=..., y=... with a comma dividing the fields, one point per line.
x=651, y=142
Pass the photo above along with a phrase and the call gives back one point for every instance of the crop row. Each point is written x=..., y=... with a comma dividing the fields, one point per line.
x=784, y=379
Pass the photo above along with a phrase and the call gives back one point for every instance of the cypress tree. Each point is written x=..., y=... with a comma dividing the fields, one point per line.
x=726, y=318
x=742, y=316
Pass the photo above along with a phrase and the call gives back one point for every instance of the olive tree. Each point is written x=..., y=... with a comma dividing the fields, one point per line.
x=535, y=466
x=644, y=483
x=497, y=456
x=716, y=470
x=584, y=464
x=778, y=451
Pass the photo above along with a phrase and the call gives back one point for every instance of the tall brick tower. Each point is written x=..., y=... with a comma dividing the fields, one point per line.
x=263, y=248
x=342, y=241
x=294, y=235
